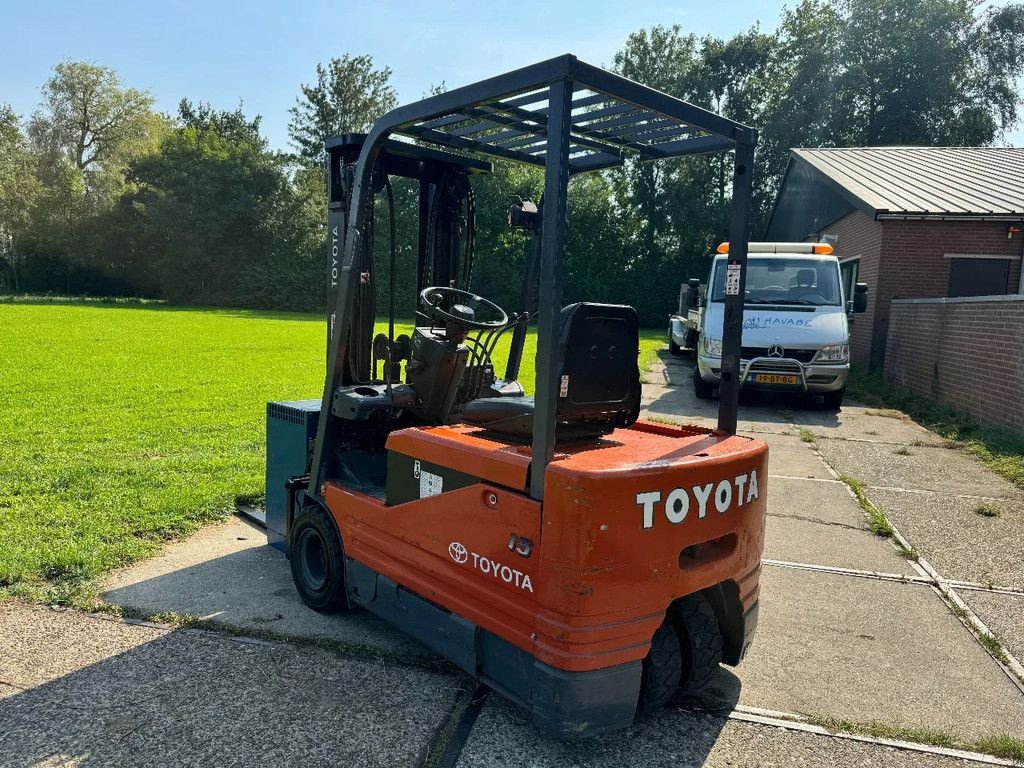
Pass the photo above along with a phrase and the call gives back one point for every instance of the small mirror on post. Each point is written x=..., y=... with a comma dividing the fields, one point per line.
x=691, y=294
x=860, y=298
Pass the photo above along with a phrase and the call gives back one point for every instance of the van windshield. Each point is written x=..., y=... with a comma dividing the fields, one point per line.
x=788, y=281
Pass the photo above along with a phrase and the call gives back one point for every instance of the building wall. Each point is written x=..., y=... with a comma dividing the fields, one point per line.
x=914, y=263
x=858, y=235
x=966, y=352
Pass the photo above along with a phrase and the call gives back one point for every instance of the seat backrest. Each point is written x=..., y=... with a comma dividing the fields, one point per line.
x=600, y=374
x=806, y=278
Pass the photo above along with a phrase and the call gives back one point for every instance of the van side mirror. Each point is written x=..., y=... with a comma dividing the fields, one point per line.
x=860, y=298
x=691, y=295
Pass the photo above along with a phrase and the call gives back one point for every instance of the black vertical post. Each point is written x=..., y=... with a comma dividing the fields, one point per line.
x=527, y=300
x=422, y=248
x=552, y=251
x=348, y=282
x=735, y=281
x=336, y=200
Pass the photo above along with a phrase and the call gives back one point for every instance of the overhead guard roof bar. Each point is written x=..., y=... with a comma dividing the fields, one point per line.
x=616, y=117
x=567, y=117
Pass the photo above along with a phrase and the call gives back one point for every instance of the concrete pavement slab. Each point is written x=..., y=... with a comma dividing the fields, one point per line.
x=955, y=539
x=95, y=692
x=225, y=572
x=679, y=404
x=669, y=394
x=1003, y=614
x=825, y=501
x=872, y=425
x=924, y=468
x=867, y=650
x=803, y=541
x=790, y=456
x=672, y=738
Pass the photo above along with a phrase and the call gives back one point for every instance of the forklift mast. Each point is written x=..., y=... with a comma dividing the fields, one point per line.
x=445, y=241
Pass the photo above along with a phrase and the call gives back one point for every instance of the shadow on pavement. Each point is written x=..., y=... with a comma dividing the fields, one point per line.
x=102, y=693
x=672, y=389
x=226, y=574
x=682, y=735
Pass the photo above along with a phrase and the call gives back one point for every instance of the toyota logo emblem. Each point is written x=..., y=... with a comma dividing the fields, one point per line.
x=776, y=351
x=458, y=552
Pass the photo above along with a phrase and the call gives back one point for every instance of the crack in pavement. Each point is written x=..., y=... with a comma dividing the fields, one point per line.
x=806, y=519
x=942, y=587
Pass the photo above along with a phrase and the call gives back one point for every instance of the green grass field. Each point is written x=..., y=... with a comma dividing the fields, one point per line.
x=124, y=426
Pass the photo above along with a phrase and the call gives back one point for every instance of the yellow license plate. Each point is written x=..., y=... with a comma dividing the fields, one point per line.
x=774, y=378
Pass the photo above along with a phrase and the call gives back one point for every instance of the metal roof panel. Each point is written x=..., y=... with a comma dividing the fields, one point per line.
x=927, y=181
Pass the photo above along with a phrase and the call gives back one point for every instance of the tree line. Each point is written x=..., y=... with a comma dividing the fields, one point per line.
x=102, y=195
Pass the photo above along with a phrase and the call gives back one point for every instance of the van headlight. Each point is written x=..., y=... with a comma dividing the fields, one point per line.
x=834, y=353
x=712, y=347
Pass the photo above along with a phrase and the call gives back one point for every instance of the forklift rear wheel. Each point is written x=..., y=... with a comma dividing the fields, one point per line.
x=701, y=388
x=700, y=640
x=318, y=561
x=662, y=669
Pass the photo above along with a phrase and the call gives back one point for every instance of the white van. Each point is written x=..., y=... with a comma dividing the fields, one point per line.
x=796, y=333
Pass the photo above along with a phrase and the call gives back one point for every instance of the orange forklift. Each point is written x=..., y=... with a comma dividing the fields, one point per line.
x=581, y=561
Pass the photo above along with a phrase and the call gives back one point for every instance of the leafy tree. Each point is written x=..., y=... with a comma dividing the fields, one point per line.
x=19, y=190
x=348, y=95
x=89, y=119
x=682, y=205
x=884, y=72
x=209, y=203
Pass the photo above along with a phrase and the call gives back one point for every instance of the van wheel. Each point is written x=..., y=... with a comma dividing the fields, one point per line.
x=317, y=560
x=834, y=400
x=700, y=641
x=701, y=388
x=662, y=669
x=674, y=349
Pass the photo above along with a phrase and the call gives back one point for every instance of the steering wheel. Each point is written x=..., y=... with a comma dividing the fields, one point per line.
x=813, y=294
x=462, y=308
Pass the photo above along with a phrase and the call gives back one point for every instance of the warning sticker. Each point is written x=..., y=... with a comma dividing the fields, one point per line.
x=563, y=387
x=430, y=484
x=732, y=280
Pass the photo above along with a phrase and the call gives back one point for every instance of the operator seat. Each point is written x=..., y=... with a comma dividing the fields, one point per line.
x=599, y=378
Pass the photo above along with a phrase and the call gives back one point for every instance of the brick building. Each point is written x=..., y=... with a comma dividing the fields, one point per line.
x=911, y=222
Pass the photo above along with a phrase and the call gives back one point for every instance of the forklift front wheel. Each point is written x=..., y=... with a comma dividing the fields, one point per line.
x=702, y=389
x=318, y=561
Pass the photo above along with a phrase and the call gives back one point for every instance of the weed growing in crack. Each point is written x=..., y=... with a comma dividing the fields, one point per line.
x=984, y=509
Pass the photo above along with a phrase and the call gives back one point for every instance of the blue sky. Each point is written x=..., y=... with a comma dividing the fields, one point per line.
x=259, y=52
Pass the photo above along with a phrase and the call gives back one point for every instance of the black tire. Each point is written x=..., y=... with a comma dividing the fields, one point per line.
x=700, y=641
x=674, y=349
x=834, y=400
x=317, y=560
x=701, y=388
x=662, y=669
